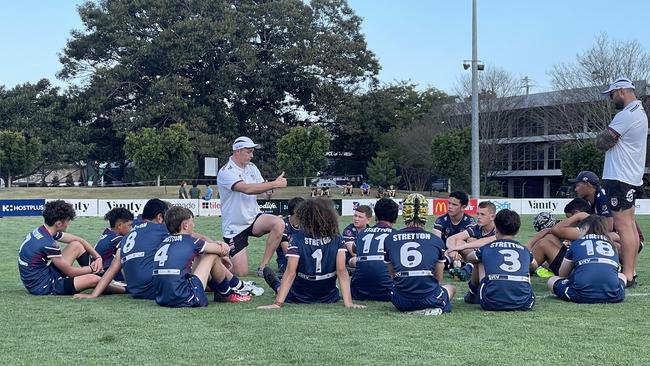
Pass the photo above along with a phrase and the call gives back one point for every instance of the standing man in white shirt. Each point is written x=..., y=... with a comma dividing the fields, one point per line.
x=239, y=183
x=624, y=142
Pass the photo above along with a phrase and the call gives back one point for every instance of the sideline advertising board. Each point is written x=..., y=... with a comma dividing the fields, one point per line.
x=29, y=207
x=83, y=207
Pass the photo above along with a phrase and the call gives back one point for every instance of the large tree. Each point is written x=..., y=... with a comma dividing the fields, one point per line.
x=18, y=155
x=301, y=152
x=41, y=111
x=224, y=68
x=164, y=152
x=450, y=154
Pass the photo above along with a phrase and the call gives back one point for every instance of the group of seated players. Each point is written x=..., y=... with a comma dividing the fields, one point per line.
x=160, y=257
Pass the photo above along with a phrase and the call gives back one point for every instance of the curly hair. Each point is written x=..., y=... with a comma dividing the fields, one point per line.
x=58, y=210
x=317, y=218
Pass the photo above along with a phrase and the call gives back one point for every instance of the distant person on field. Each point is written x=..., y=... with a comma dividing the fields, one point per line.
x=365, y=188
x=185, y=265
x=195, y=192
x=347, y=190
x=45, y=269
x=316, y=258
x=624, y=143
x=239, y=184
x=415, y=259
x=314, y=192
x=590, y=270
x=391, y=191
x=182, y=191
x=503, y=268
x=208, y=192
x=370, y=279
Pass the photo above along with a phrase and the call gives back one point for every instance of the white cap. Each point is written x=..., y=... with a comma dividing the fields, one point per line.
x=244, y=142
x=620, y=83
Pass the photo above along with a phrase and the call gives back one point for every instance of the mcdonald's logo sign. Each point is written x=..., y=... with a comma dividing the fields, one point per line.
x=439, y=207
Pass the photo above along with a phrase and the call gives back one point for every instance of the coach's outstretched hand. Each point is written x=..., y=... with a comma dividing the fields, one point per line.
x=280, y=181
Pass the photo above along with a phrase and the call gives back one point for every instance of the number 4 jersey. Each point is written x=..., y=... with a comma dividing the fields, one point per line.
x=173, y=267
x=506, y=285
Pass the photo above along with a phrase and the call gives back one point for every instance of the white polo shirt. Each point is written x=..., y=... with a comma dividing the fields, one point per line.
x=238, y=210
x=625, y=161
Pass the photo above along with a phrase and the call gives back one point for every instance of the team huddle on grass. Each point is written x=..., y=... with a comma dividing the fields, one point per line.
x=158, y=256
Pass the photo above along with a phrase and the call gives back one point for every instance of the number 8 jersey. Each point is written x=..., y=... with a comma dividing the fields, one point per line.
x=316, y=273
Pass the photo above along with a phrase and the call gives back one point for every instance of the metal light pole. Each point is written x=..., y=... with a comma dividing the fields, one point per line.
x=476, y=186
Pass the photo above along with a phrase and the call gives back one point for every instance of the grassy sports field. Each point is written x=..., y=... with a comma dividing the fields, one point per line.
x=118, y=330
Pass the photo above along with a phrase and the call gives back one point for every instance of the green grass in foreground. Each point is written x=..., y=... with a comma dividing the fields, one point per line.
x=119, y=330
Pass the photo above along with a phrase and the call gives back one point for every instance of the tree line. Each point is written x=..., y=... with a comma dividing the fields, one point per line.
x=164, y=83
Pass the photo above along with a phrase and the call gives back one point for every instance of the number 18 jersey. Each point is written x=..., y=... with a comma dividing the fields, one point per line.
x=595, y=268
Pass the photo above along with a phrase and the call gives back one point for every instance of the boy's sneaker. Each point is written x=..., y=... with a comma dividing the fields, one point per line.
x=544, y=272
x=472, y=298
x=426, y=312
x=231, y=297
x=250, y=288
x=632, y=283
x=271, y=279
x=260, y=271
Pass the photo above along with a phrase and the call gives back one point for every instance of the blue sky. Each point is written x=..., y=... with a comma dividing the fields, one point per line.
x=424, y=41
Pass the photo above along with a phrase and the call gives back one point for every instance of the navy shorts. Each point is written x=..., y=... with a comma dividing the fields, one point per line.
x=502, y=302
x=60, y=283
x=437, y=299
x=564, y=290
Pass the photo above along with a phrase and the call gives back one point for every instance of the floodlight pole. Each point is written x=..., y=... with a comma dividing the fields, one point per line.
x=476, y=186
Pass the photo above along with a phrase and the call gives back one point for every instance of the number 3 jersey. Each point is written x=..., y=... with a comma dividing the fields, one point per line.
x=414, y=253
x=173, y=266
x=137, y=250
x=506, y=285
x=595, y=267
x=316, y=273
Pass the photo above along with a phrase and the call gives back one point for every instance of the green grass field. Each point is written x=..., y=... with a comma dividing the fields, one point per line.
x=118, y=330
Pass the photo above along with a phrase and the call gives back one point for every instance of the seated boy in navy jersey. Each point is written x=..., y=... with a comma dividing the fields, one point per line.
x=415, y=258
x=40, y=246
x=474, y=236
x=453, y=222
x=549, y=245
x=504, y=269
x=290, y=227
x=177, y=285
x=360, y=221
x=370, y=279
x=590, y=270
x=120, y=220
x=316, y=258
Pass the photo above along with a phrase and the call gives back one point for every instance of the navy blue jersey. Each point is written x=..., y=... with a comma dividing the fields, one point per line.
x=506, y=285
x=595, y=267
x=289, y=230
x=601, y=205
x=173, y=266
x=476, y=231
x=137, y=250
x=316, y=273
x=414, y=253
x=35, y=252
x=350, y=233
x=107, y=246
x=447, y=228
x=370, y=279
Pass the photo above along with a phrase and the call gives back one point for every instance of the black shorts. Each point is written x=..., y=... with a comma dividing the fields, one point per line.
x=557, y=261
x=240, y=241
x=620, y=195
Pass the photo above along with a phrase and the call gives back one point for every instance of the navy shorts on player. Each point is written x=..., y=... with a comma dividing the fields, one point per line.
x=437, y=299
x=564, y=290
x=60, y=284
x=189, y=295
x=504, y=301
